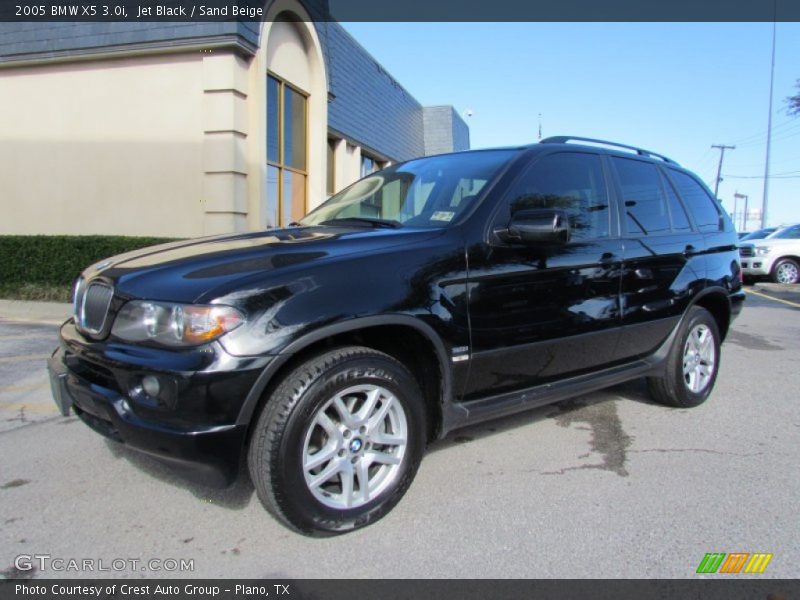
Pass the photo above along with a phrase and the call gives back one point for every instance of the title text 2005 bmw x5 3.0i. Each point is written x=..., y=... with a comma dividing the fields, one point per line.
x=433, y=294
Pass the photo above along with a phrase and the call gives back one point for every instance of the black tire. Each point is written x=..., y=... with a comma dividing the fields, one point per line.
x=785, y=270
x=672, y=388
x=277, y=445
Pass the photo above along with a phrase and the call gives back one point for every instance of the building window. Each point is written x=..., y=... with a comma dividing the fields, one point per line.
x=331, y=185
x=287, y=150
x=368, y=165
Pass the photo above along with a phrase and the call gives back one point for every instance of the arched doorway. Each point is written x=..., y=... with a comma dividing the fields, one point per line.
x=291, y=71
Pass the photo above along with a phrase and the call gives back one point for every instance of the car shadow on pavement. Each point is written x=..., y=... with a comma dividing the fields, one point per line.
x=240, y=493
x=235, y=497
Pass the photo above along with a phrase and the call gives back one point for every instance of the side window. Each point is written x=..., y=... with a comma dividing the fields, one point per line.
x=700, y=204
x=569, y=181
x=642, y=197
x=680, y=220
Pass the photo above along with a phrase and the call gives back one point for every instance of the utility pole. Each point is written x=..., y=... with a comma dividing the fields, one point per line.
x=736, y=196
x=769, y=125
x=722, y=148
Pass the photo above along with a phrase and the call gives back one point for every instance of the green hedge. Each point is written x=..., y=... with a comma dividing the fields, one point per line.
x=44, y=266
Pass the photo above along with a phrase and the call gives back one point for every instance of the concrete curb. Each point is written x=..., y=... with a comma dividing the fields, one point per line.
x=50, y=313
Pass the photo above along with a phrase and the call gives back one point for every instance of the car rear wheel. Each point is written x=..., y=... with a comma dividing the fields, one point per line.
x=692, y=364
x=338, y=442
x=786, y=270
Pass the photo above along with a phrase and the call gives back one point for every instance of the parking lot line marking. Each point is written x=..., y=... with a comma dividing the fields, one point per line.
x=23, y=358
x=42, y=409
x=763, y=295
x=28, y=336
x=14, y=389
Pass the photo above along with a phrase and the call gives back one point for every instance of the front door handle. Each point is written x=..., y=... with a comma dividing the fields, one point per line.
x=689, y=250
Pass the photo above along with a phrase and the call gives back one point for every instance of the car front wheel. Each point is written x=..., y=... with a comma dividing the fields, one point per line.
x=338, y=442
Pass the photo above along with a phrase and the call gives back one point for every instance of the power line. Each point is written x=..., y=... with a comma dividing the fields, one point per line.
x=760, y=137
x=782, y=135
x=786, y=175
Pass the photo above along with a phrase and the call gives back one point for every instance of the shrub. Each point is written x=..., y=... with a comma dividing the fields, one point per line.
x=44, y=266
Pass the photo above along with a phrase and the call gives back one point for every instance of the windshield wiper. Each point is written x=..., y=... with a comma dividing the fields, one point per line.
x=388, y=223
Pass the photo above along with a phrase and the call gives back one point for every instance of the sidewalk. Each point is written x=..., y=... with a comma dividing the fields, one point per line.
x=51, y=313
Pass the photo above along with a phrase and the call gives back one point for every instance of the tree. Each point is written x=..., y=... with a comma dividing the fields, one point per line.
x=794, y=101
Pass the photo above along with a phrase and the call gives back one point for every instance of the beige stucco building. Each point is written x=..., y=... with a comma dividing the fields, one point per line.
x=206, y=128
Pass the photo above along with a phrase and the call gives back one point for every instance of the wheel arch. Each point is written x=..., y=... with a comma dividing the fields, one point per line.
x=437, y=384
x=716, y=301
x=775, y=262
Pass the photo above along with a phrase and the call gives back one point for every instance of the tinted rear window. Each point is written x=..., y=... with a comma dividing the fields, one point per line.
x=700, y=204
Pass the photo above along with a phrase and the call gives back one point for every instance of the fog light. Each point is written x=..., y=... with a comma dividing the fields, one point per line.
x=151, y=386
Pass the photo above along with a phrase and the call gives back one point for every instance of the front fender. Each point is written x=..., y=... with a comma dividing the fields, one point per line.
x=253, y=399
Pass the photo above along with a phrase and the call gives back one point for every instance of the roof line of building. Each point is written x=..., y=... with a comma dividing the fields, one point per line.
x=234, y=42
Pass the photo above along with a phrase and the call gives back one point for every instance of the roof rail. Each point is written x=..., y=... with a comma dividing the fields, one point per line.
x=563, y=139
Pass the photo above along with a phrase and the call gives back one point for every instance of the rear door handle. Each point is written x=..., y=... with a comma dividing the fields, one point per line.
x=689, y=250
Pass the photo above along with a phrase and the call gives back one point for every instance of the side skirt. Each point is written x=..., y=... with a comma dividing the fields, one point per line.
x=461, y=414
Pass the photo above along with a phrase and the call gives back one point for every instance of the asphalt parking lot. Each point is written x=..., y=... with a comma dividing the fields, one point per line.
x=605, y=485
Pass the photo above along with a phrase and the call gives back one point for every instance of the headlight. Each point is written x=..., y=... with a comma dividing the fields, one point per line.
x=174, y=324
x=763, y=250
x=77, y=298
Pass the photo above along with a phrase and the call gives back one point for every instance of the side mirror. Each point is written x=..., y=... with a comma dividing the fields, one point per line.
x=538, y=226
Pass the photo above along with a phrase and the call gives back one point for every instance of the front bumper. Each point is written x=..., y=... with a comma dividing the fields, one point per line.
x=756, y=266
x=195, y=430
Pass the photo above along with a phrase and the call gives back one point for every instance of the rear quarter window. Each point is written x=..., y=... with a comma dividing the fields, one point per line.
x=700, y=204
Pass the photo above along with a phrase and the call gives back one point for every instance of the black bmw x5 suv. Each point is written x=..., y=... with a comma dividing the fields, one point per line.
x=425, y=297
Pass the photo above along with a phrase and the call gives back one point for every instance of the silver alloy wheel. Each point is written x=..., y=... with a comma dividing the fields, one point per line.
x=699, y=358
x=354, y=446
x=786, y=273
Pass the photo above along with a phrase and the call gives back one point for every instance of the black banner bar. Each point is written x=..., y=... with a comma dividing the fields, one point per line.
x=727, y=588
x=403, y=10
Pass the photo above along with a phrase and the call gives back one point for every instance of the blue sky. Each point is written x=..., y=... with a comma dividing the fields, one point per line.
x=674, y=88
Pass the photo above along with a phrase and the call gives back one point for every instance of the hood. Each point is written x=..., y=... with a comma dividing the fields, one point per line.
x=771, y=242
x=185, y=271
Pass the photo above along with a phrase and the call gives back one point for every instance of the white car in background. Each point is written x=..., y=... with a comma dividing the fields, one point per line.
x=777, y=256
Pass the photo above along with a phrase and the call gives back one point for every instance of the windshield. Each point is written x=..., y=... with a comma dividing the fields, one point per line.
x=758, y=235
x=426, y=192
x=787, y=233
